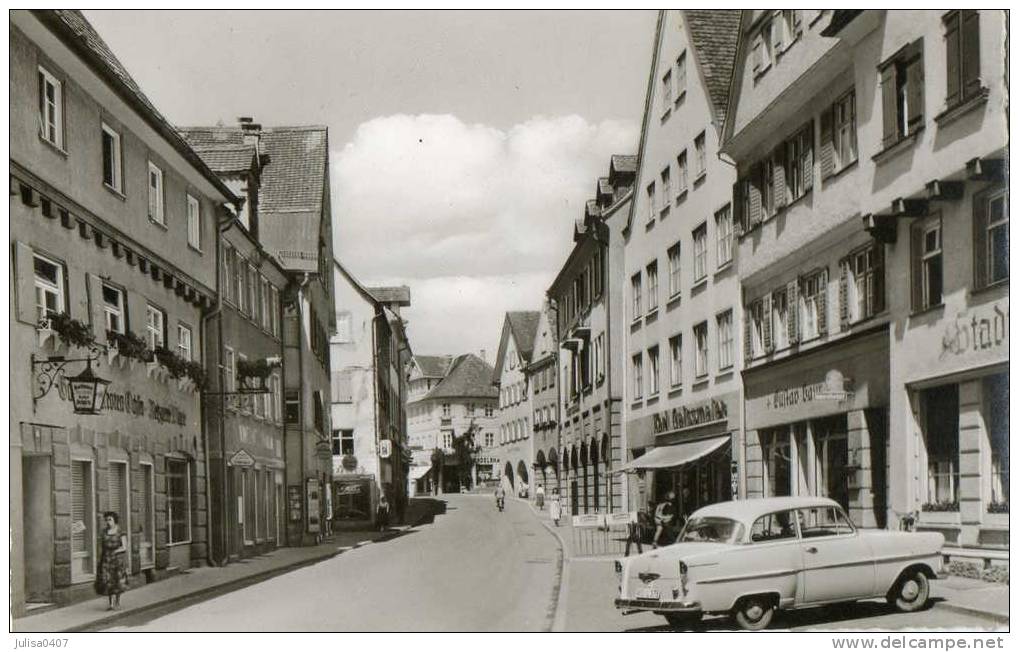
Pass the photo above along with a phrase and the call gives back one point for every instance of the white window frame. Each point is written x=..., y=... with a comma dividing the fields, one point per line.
x=194, y=208
x=651, y=202
x=187, y=502
x=844, y=128
x=700, y=252
x=230, y=365
x=676, y=361
x=51, y=116
x=723, y=235
x=652, y=286
x=185, y=342
x=726, y=353
x=700, y=336
x=636, y=298
x=999, y=224
x=116, y=159
x=755, y=313
x=680, y=76
x=654, y=366
x=666, y=93
x=779, y=320
x=637, y=366
x=682, y=173
x=110, y=311
x=153, y=330
x=44, y=287
x=701, y=148
x=927, y=256
x=811, y=288
x=90, y=525
x=675, y=270
x=156, y=194
x=666, y=194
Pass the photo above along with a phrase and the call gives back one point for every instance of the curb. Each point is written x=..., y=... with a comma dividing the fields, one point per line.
x=971, y=611
x=560, y=591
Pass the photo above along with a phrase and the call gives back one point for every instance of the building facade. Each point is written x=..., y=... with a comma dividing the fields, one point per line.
x=586, y=291
x=516, y=409
x=682, y=311
x=541, y=378
x=113, y=243
x=369, y=393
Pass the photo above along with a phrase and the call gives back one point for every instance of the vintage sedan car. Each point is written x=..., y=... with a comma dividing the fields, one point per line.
x=748, y=558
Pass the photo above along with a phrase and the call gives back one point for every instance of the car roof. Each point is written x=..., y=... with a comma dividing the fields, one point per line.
x=747, y=511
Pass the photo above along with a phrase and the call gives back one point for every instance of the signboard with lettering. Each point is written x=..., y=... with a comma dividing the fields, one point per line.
x=981, y=329
x=385, y=448
x=242, y=458
x=129, y=403
x=687, y=417
x=589, y=520
x=622, y=518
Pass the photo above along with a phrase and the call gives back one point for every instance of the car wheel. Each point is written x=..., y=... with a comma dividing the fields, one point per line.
x=754, y=613
x=683, y=621
x=911, y=592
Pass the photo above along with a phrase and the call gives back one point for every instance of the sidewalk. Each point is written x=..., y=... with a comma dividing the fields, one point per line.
x=195, y=582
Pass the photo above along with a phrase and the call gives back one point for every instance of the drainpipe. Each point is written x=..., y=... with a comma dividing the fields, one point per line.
x=375, y=400
x=303, y=283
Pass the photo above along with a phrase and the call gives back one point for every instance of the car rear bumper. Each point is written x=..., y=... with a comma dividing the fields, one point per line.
x=678, y=606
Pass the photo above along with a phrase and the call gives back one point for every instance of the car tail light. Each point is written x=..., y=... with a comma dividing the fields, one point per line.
x=682, y=577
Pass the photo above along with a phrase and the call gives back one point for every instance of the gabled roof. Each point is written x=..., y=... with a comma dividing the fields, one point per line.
x=524, y=326
x=76, y=32
x=229, y=159
x=623, y=163
x=400, y=295
x=468, y=377
x=433, y=366
x=714, y=33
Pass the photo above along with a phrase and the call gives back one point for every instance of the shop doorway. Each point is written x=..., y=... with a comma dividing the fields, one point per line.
x=83, y=521
x=146, y=544
x=37, y=494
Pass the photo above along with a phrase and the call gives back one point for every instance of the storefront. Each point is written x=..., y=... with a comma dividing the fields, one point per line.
x=816, y=425
x=353, y=500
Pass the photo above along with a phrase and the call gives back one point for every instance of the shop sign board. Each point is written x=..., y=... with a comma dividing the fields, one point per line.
x=622, y=518
x=589, y=520
x=242, y=459
x=834, y=387
x=313, y=505
x=686, y=417
x=129, y=403
x=294, y=502
x=385, y=448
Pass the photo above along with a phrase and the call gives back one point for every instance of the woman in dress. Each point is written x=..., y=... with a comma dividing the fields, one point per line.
x=111, y=580
x=555, y=507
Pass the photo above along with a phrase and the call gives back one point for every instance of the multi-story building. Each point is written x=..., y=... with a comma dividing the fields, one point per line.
x=541, y=378
x=369, y=352
x=587, y=295
x=682, y=308
x=932, y=137
x=516, y=445
x=113, y=242
x=294, y=225
x=462, y=401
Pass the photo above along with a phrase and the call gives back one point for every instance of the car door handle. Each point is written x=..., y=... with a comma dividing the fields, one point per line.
x=811, y=549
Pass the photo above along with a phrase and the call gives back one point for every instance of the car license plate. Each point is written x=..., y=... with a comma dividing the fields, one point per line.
x=649, y=594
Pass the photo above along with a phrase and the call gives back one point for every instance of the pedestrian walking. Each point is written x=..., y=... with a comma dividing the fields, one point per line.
x=636, y=532
x=111, y=580
x=382, y=513
x=539, y=496
x=555, y=507
x=665, y=513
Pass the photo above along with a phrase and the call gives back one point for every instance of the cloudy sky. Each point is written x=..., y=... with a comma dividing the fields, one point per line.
x=463, y=144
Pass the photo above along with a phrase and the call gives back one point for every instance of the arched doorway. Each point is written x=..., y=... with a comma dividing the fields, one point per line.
x=574, y=498
x=522, y=476
x=540, y=464
x=508, y=475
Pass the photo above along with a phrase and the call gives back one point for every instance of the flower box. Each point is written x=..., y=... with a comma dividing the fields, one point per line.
x=997, y=521
x=940, y=519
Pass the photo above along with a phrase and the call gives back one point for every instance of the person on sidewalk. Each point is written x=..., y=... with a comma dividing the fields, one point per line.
x=539, y=496
x=111, y=580
x=665, y=513
x=636, y=532
x=500, y=497
x=555, y=507
x=382, y=513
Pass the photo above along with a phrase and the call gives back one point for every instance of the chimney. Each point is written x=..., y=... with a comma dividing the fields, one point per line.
x=252, y=133
x=482, y=355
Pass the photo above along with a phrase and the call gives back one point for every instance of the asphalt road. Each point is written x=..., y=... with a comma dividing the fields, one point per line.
x=472, y=569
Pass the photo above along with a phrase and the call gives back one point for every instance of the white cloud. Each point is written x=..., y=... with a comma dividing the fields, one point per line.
x=477, y=220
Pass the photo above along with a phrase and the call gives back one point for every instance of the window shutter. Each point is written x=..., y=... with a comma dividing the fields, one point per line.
x=95, y=307
x=25, y=288
x=827, y=142
x=916, y=264
x=844, y=294
x=79, y=489
x=914, y=90
x=807, y=160
x=766, y=321
x=748, y=352
x=889, y=130
x=77, y=295
x=136, y=308
x=776, y=32
x=778, y=175
x=953, y=53
x=797, y=21
x=756, y=178
x=756, y=57
x=980, y=241
x=822, y=304
x=115, y=477
x=970, y=30
x=793, y=311
x=878, y=300
x=737, y=205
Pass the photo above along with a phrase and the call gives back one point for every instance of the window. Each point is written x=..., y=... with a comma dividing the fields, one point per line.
x=343, y=442
x=489, y=439
x=156, y=199
x=82, y=519
x=676, y=361
x=700, y=252
x=637, y=366
x=725, y=340
x=682, y=173
x=194, y=223
x=767, y=171
x=774, y=527
x=293, y=406
x=844, y=128
x=700, y=335
x=780, y=319
x=447, y=439
x=762, y=48
x=652, y=286
x=252, y=284
x=652, y=361
x=823, y=522
x=445, y=409
x=962, y=45
x=666, y=93
x=930, y=263
x=940, y=407
x=636, y=300
x=996, y=409
x=790, y=27
x=990, y=220
x=51, y=109
x=812, y=305
x=178, y=500
x=666, y=194
x=674, y=270
x=698, y=145
x=489, y=411
x=184, y=342
x=755, y=319
x=775, y=446
x=274, y=311
x=652, y=207
x=113, y=308
x=723, y=234
x=49, y=287
x=230, y=368
x=155, y=328
x=799, y=163
x=112, y=167
x=227, y=279
x=681, y=76
x=240, y=280
x=902, y=94
x=863, y=284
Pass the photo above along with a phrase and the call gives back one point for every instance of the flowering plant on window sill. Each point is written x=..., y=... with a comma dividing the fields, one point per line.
x=70, y=331
x=129, y=346
x=941, y=506
x=997, y=507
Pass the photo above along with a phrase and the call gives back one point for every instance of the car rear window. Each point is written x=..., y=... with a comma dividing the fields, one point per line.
x=823, y=522
x=773, y=527
x=714, y=529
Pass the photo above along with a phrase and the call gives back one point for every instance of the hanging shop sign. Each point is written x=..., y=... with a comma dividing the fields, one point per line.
x=385, y=448
x=686, y=417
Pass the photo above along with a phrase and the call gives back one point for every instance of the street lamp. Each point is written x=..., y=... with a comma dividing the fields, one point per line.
x=85, y=390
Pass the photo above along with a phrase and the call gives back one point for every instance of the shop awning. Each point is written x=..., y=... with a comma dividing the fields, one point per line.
x=418, y=472
x=676, y=455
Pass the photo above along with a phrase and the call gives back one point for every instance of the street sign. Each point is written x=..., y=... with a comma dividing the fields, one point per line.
x=385, y=448
x=242, y=458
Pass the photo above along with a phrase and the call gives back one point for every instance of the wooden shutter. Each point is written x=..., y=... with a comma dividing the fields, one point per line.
x=916, y=264
x=95, y=307
x=793, y=311
x=737, y=206
x=889, y=112
x=828, y=142
x=756, y=178
x=136, y=309
x=953, y=53
x=116, y=492
x=77, y=295
x=970, y=30
x=807, y=155
x=797, y=21
x=844, y=293
x=778, y=175
x=979, y=252
x=24, y=266
x=758, y=44
x=914, y=89
x=79, y=506
x=822, y=304
x=748, y=352
x=766, y=322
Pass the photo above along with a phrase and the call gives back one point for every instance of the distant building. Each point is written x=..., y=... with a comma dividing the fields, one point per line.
x=369, y=355
x=542, y=381
x=516, y=444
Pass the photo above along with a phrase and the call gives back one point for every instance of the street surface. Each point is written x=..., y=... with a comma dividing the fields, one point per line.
x=473, y=569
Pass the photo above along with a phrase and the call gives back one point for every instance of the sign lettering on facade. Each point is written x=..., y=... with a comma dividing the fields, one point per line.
x=684, y=417
x=834, y=387
x=130, y=403
x=976, y=332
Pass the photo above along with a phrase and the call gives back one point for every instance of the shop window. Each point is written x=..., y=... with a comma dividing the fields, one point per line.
x=51, y=108
x=652, y=357
x=941, y=435
x=178, y=500
x=674, y=268
x=676, y=361
x=637, y=368
x=962, y=46
x=902, y=94
x=83, y=520
x=862, y=287
x=774, y=527
x=652, y=286
x=635, y=297
x=725, y=340
x=927, y=259
x=777, y=463
x=49, y=288
x=996, y=397
x=700, y=253
x=990, y=237
x=700, y=336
